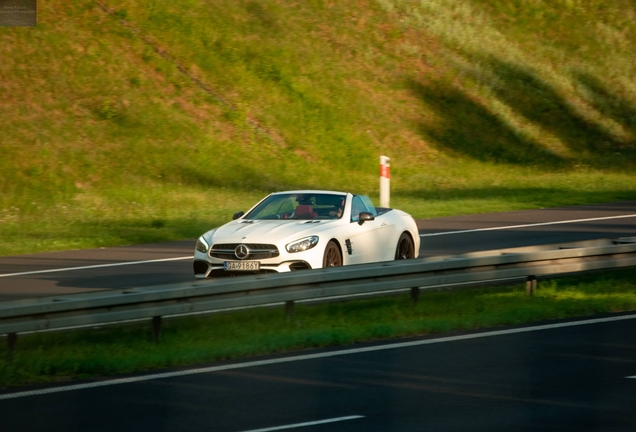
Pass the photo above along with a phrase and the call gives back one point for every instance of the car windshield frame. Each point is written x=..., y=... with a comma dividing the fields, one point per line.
x=315, y=206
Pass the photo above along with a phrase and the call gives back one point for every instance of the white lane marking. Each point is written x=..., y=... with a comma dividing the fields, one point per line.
x=632, y=377
x=421, y=235
x=95, y=266
x=312, y=356
x=298, y=425
x=528, y=225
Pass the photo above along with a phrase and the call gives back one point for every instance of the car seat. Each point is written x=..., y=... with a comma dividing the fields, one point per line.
x=304, y=211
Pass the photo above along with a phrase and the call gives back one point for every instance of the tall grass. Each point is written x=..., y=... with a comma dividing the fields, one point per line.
x=157, y=119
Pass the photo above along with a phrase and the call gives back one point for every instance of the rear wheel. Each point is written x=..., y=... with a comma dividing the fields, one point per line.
x=332, y=257
x=405, y=248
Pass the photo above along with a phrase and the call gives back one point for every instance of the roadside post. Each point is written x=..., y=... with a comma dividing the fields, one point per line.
x=385, y=181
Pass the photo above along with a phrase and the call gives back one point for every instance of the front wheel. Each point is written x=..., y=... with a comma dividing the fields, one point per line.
x=405, y=248
x=332, y=257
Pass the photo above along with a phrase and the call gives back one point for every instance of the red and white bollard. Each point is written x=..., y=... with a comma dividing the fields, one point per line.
x=385, y=181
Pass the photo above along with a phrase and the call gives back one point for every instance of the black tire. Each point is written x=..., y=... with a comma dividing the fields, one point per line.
x=332, y=256
x=405, y=248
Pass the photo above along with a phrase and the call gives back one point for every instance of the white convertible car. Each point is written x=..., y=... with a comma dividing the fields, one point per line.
x=307, y=229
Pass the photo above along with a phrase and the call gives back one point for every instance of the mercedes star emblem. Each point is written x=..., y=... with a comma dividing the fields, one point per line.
x=242, y=251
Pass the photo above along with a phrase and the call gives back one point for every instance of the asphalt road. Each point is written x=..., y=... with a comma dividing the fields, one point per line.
x=563, y=378
x=69, y=272
x=544, y=378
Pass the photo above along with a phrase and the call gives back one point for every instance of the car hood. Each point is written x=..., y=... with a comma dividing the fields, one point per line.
x=268, y=231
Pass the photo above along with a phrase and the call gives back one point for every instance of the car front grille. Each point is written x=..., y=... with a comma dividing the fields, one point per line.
x=257, y=251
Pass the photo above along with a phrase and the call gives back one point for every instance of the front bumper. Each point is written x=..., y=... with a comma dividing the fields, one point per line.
x=205, y=269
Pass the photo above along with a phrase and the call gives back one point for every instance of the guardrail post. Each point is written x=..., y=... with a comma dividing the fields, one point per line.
x=156, y=329
x=289, y=308
x=531, y=285
x=12, y=338
x=415, y=295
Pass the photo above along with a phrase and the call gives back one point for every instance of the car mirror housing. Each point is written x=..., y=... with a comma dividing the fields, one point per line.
x=365, y=216
x=237, y=215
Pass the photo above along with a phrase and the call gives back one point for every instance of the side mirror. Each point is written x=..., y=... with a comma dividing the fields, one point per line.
x=365, y=216
x=237, y=215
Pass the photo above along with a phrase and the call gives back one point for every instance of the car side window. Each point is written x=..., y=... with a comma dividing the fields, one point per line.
x=357, y=206
x=370, y=208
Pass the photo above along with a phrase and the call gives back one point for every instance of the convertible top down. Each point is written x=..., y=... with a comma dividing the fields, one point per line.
x=306, y=229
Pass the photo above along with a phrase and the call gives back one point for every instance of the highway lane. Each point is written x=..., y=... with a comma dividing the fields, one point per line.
x=68, y=272
x=459, y=234
x=562, y=376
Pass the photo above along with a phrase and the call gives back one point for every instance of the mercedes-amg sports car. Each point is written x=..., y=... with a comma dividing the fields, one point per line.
x=307, y=229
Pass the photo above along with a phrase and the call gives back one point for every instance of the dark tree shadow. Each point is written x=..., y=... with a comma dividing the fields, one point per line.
x=469, y=128
x=610, y=104
x=540, y=103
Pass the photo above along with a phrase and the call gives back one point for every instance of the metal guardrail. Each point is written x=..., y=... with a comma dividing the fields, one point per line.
x=109, y=306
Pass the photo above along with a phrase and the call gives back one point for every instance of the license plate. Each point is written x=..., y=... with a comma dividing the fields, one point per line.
x=242, y=265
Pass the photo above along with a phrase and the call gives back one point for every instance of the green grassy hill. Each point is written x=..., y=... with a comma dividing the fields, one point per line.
x=126, y=122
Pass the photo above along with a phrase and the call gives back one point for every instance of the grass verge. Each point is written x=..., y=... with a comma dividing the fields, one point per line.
x=156, y=121
x=118, y=349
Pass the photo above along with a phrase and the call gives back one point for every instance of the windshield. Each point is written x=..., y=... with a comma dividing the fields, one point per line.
x=299, y=206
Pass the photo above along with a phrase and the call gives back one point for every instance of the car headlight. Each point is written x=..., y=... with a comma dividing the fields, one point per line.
x=202, y=246
x=302, y=244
